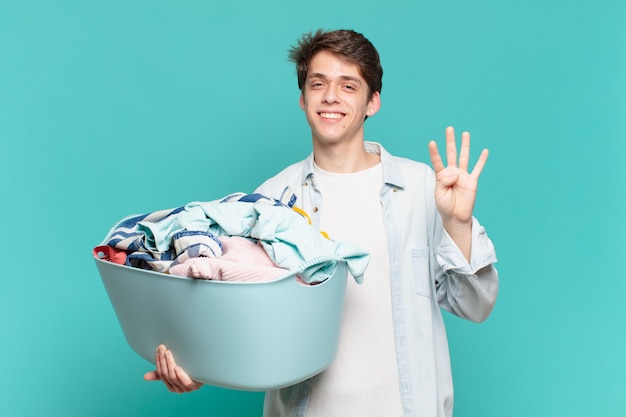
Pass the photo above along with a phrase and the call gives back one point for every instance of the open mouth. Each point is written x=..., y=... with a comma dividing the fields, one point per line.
x=331, y=115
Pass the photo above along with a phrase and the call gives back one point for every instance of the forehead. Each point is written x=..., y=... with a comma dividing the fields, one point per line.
x=331, y=65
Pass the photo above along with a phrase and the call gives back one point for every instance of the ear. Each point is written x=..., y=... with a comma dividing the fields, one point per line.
x=374, y=104
x=302, y=100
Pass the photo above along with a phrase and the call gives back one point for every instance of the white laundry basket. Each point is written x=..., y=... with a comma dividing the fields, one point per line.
x=246, y=336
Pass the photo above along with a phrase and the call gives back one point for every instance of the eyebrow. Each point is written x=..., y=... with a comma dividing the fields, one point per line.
x=343, y=77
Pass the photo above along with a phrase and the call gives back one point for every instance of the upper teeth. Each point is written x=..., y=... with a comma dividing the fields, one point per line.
x=331, y=115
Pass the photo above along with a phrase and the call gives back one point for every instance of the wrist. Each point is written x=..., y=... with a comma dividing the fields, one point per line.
x=461, y=233
x=454, y=224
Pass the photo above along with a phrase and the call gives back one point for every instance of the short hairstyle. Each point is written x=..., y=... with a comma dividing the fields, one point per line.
x=352, y=46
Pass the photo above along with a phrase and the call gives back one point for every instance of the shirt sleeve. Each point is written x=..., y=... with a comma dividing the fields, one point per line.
x=466, y=289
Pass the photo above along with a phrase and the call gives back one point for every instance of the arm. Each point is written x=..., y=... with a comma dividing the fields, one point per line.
x=466, y=280
x=172, y=375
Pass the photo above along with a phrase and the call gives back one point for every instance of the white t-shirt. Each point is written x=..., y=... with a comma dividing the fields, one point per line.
x=363, y=379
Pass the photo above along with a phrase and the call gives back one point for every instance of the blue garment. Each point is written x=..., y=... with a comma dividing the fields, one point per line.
x=427, y=272
x=165, y=238
x=147, y=249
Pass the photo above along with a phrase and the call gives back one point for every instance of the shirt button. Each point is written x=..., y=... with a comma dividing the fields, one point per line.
x=314, y=209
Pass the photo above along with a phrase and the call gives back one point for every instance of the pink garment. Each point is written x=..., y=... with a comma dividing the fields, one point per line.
x=242, y=260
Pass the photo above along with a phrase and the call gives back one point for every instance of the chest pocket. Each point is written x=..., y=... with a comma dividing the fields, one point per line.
x=421, y=271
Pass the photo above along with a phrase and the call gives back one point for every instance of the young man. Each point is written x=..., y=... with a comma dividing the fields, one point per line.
x=427, y=250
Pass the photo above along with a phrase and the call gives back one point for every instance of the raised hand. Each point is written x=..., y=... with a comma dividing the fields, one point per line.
x=455, y=189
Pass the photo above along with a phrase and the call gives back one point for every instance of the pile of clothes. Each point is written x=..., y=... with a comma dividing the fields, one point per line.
x=241, y=237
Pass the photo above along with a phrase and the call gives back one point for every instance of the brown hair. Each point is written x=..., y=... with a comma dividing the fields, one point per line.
x=350, y=45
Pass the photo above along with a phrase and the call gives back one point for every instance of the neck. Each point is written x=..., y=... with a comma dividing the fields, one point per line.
x=344, y=157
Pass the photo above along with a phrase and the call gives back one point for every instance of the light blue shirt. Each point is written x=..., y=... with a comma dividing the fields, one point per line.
x=427, y=272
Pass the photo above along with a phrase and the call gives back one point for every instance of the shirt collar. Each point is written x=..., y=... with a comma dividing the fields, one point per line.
x=391, y=171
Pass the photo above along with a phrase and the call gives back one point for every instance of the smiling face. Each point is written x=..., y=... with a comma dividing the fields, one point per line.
x=336, y=100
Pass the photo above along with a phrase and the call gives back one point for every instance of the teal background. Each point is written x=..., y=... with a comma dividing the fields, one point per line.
x=118, y=107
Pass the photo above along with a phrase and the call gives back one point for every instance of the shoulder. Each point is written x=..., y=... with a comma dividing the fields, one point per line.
x=411, y=165
x=402, y=170
x=289, y=176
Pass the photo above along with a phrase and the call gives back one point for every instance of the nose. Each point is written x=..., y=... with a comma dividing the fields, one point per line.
x=330, y=95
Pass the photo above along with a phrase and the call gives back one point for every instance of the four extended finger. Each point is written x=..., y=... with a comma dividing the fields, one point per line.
x=480, y=164
x=435, y=158
x=450, y=147
x=451, y=154
x=465, y=151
